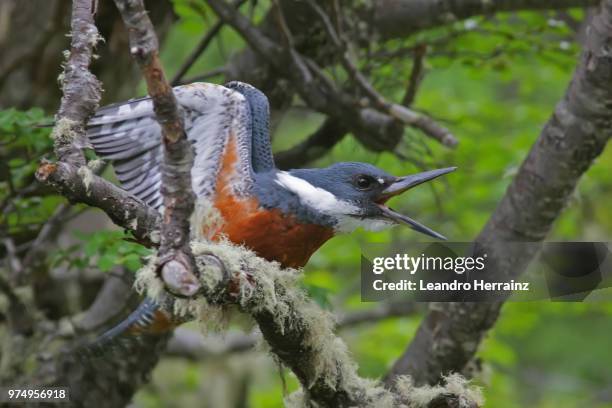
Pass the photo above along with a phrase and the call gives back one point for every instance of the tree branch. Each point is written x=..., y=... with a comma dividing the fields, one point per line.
x=573, y=138
x=402, y=18
x=125, y=210
x=114, y=300
x=81, y=90
x=195, y=54
x=298, y=332
x=399, y=112
x=176, y=266
x=376, y=130
x=390, y=18
x=200, y=48
x=193, y=345
x=314, y=147
x=205, y=75
x=416, y=74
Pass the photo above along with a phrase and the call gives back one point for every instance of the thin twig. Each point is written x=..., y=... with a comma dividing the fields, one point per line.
x=416, y=74
x=197, y=51
x=14, y=262
x=282, y=25
x=289, y=41
x=200, y=48
x=376, y=130
x=48, y=231
x=20, y=319
x=205, y=76
x=313, y=147
x=401, y=113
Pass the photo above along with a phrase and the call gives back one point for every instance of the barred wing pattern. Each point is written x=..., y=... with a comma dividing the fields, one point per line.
x=128, y=135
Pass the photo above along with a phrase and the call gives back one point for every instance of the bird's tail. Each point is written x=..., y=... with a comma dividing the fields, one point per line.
x=148, y=320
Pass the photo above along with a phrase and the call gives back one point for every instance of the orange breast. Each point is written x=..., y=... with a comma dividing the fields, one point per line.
x=270, y=233
x=276, y=237
x=161, y=323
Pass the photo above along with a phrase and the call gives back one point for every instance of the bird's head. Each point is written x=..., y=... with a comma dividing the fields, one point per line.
x=354, y=194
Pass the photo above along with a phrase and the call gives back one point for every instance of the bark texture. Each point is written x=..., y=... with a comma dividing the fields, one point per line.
x=174, y=252
x=82, y=186
x=80, y=88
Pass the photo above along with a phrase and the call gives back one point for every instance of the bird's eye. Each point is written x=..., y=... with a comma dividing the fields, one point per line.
x=364, y=182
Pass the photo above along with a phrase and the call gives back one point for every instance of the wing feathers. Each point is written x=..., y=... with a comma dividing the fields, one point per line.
x=128, y=135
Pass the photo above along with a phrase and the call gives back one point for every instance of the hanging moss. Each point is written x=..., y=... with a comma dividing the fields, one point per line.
x=263, y=286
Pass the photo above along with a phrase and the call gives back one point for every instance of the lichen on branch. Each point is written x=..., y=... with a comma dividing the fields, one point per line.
x=81, y=89
x=298, y=332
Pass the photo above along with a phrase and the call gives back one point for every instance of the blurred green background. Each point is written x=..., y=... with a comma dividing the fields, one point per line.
x=494, y=82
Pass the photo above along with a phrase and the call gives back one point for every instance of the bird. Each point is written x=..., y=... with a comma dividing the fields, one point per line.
x=283, y=216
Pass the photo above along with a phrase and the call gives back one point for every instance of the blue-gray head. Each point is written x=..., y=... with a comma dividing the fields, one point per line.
x=354, y=194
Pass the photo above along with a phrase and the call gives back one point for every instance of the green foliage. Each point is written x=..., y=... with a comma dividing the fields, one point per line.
x=25, y=129
x=102, y=250
x=27, y=205
x=22, y=144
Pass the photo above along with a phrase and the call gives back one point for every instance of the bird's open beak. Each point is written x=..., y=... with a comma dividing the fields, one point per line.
x=403, y=184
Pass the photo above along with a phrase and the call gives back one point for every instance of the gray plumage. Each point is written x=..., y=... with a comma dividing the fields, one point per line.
x=128, y=135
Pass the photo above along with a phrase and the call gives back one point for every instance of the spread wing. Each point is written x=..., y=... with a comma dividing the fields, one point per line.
x=216, y=120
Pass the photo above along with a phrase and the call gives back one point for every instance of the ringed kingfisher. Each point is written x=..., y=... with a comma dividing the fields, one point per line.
x=283, y=216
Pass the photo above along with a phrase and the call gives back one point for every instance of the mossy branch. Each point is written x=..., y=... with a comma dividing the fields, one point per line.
x=81, y=89
x=298, y=332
